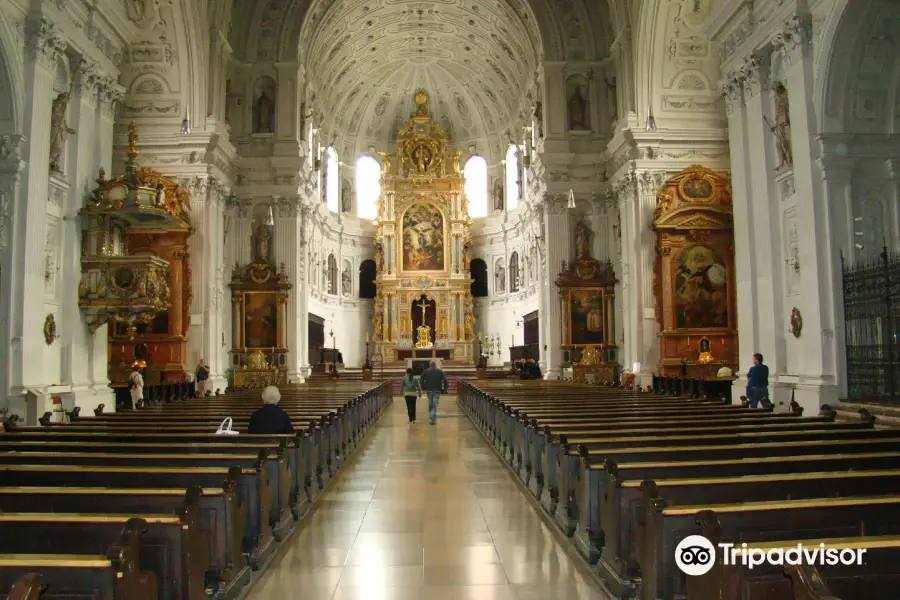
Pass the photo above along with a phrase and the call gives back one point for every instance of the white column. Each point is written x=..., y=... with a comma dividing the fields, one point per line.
x=644, y=241
x=816, y=351
x=82, y=168
x=298, y=307
x=29, y=235
x=11, y=168
x=631, y=317
x=556, y=227
x=742, y=212
x=838, y=195
x=768, y=211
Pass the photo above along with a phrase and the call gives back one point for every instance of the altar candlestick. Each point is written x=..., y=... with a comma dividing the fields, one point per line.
x=367, y=337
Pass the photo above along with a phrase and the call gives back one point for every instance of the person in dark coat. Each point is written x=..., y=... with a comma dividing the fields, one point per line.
x=270, y=419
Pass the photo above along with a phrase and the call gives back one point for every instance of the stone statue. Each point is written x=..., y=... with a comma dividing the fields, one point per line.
x=263, y=236
x=379, y=318
x=59, y=129
x=160, y=195
x=499, y=278
x=782, y=126
x=345, y=282
x=345, y=197
x=379, y=256
x=470, y=327
x=265, y=113
x=498, y=195
x=582, y=242
x=539, y=118
x=612, y=99
x=577, y=111
x=467, y=254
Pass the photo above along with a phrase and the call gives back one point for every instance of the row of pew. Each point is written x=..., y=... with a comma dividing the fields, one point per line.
x=628, y=474
x=152, y=504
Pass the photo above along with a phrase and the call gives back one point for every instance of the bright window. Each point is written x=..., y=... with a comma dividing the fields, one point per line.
x=332, y=181
x=476, y=188
x=512, y=178
x=368, y=187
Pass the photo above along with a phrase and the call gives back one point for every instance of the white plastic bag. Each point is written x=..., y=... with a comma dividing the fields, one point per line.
x=222, y=430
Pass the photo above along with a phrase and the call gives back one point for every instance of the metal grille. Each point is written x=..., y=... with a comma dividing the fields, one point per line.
x=872, y=322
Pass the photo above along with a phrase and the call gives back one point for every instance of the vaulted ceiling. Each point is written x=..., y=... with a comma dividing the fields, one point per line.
x=364, y=59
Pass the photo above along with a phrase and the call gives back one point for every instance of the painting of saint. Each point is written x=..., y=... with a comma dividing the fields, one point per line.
x=586, y=314
x=423, y=238
x=260, y=320
x=701, y=289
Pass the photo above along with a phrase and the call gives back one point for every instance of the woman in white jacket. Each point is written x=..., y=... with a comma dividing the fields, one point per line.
x=136, y=385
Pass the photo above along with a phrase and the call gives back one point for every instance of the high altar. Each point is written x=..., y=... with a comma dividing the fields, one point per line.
x=423, y=304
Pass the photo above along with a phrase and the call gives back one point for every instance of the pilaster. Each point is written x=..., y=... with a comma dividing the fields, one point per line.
x=29, y=235
x=816, y=352
x=557, y=227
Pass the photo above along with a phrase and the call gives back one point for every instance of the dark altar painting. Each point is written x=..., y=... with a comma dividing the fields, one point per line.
x=586, y=318
x=423, y=238
x=260, y=319
x=701, y=289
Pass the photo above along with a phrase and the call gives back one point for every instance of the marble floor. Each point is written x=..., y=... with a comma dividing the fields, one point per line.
x=425, y=512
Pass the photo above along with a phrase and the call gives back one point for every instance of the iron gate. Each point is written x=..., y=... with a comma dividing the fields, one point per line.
x=872, y=326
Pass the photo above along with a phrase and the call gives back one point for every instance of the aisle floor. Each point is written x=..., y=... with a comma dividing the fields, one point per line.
x=425, y=512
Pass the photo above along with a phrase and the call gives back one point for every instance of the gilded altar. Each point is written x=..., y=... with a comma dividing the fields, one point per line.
x=257, y=372
x=694, y=282
x=423, y=297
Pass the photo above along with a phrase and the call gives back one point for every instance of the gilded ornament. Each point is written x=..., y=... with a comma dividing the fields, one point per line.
x=50, y=329
x=796, y=322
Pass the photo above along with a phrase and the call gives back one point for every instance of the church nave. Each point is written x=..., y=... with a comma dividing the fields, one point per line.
x=425, y=512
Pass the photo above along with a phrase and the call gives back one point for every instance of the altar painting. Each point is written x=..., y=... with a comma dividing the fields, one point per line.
x=260, y=319
x=701, y=289
x=423, y=238
x=586, y=312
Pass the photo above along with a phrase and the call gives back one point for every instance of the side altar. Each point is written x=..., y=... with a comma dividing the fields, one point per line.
x=423, y=300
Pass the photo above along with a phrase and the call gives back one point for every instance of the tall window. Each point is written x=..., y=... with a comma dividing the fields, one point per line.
x=332, y=180
x=514, y=273
x=476, y=187
x=512, y=178
x=368, y=187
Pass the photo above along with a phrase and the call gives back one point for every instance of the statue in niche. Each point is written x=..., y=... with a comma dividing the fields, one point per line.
x=264, y=108
x=499, y=278
x=345, y=197
x=345, y=281
x=467, y=254
x=498, y=195
x=379, y=318
x=577, y=111
x=59, y=129
x=611, y=99
x=782, y=126
x=582, y=242
x=263, y=244
x=538, y=114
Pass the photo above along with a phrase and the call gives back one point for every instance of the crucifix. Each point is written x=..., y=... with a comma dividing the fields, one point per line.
x=423, y=304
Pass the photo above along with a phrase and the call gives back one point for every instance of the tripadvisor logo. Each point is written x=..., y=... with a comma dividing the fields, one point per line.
x=696, y=555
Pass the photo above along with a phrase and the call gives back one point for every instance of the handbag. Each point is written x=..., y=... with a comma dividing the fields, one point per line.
x=222, y=430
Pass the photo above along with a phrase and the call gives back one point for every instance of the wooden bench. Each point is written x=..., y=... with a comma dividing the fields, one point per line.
x=875, y=579
x=114, y=575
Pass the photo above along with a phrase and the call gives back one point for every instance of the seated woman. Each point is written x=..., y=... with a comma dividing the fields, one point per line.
x=270, y=419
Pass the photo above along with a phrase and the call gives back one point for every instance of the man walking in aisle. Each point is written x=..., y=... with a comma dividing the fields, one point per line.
x=433, y=381
x=758, y=382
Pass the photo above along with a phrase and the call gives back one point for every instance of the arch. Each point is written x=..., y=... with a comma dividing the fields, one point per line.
x=478, y=271
x=332, y=180
x=367, y=274
x=476, y=187
x=12, y=85
x=368, y=186
x=514, y=275
x=512, y=177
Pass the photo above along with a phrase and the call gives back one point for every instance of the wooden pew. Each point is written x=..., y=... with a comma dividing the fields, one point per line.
x=752, y=522
x=252, y=484
x=218, y=512
x=115, y=575
x=875, y=579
